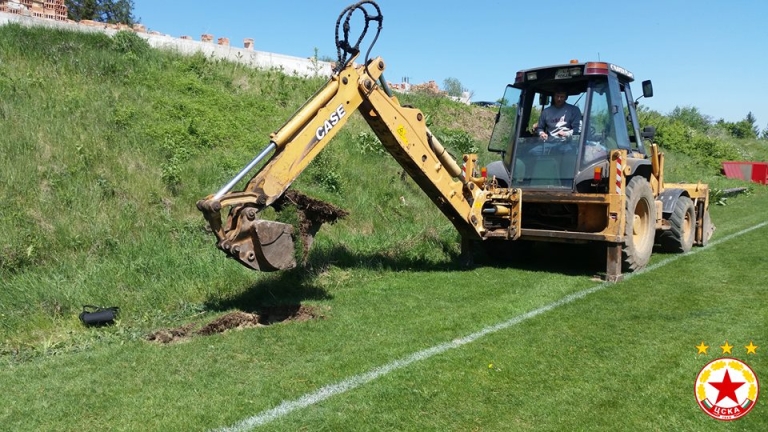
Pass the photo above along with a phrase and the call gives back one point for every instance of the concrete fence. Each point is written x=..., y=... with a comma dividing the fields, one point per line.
x=185, y=45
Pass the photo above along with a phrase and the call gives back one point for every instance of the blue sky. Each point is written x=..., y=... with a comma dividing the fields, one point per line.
x=709, y=54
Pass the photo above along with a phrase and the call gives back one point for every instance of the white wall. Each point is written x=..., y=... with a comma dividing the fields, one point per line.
x=257, y=59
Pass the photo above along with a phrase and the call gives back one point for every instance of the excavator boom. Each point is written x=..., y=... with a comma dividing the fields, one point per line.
x=268, y=245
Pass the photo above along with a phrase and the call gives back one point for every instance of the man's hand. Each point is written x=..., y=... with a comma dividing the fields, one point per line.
x=563, y=132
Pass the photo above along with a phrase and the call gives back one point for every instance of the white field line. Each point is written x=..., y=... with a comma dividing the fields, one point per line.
x=353, y=382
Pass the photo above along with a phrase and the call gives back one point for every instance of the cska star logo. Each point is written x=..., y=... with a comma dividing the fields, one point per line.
x=726, y=389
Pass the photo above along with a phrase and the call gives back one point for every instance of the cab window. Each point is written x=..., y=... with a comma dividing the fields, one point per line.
x=546, y=162
x=600, y=134
x=506, y=121
x=616, y=107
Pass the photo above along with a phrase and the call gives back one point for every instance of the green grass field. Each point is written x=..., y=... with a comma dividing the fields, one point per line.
x=105, y=145
x=621, y=358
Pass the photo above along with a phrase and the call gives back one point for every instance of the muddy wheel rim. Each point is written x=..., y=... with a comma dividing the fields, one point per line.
x=687, y=225
x=640, y=225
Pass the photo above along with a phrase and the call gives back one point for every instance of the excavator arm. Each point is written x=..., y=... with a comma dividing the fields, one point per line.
x=475, y=206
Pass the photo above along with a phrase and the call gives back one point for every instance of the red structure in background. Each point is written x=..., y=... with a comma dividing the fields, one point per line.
x=48, y=9
x=755, y=171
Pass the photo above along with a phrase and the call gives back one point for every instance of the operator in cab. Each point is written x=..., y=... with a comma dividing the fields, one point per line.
x=560, y=120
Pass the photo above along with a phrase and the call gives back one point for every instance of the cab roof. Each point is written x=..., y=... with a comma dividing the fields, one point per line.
x=548, y=77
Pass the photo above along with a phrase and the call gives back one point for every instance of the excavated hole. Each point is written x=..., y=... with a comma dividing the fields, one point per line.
x=237, y=320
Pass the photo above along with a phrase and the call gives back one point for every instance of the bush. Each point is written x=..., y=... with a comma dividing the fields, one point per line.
x=709, y=150
x=369, y=143
x=458, y=140
x=126, y=42
x=324, y=171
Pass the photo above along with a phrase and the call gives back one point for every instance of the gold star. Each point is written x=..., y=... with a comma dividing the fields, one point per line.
x=751, y=348
x=702, y=348
x=726, y=348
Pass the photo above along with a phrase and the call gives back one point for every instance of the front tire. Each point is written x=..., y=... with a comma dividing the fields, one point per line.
x=640, y=226
x=679, y=238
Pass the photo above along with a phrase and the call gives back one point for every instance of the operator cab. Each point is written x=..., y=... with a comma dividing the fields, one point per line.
x=601, y=91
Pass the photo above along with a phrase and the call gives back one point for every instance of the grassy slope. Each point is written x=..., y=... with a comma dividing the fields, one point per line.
x=104, y=153
x=106, y=147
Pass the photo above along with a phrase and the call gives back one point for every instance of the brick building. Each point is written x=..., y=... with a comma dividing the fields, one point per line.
x=48, y=9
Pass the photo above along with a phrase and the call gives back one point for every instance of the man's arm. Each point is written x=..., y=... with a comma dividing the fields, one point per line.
x=576, y=122
x=541, y=125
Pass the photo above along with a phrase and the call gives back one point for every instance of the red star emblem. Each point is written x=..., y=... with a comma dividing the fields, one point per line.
x=726, y=388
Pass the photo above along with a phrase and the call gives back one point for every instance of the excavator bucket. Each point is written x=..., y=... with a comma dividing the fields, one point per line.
x=273, y=245
x=264, y=245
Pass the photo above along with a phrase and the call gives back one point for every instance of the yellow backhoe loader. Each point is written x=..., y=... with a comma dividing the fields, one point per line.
x=603, y=183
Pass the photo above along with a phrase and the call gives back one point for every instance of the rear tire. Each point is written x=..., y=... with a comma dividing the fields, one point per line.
x=640, y=227
x=679, y=238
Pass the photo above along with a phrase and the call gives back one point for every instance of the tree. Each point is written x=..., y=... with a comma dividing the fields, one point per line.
x=108, y=11
x=752, y=121
x=740, y=129
x=453, y=87
x=79, y=10
x=691, y=117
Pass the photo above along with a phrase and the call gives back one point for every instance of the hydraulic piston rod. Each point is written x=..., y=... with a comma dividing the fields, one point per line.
x=228, y=187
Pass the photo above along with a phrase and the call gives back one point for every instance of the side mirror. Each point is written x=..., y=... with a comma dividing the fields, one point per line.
x=649, y=132
x=543, y=99
x=647, y=88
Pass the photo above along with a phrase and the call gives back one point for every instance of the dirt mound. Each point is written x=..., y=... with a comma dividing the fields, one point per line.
x=312, y=212
x=237, y=320
x=313, y=209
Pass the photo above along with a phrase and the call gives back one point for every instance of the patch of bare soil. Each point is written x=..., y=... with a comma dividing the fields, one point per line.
x=237, y=320
x=234, y=320
x=477, y=121
x=480, y=123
